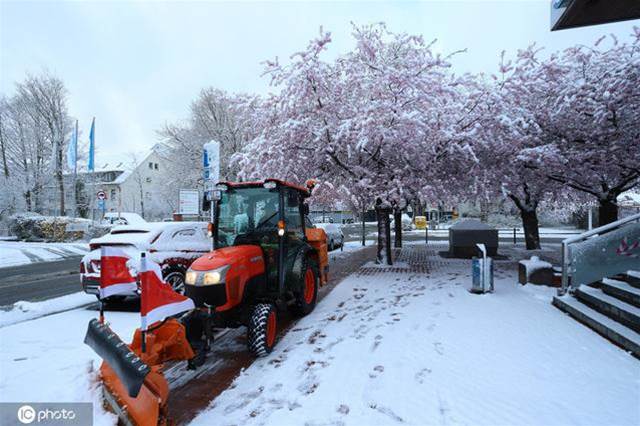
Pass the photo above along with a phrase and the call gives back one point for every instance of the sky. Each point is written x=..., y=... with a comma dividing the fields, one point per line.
x=136, y=65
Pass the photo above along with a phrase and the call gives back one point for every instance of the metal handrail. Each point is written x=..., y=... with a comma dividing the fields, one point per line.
x=585, y=235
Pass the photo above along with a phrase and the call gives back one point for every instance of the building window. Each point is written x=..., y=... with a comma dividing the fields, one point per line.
x=156, y=166
x=150, y=165
x=113, y=194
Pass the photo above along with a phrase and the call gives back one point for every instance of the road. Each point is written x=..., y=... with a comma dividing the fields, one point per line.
x=39, y=281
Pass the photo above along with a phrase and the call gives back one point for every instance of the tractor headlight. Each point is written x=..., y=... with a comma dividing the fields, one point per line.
x=191, y=277
x=212, y=277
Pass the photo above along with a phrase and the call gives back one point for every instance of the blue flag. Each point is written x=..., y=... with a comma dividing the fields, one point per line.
x=72, y=149
x=92, y=146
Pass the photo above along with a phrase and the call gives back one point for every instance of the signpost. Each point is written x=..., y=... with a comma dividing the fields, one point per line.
x=101, y=196
x=211, y=175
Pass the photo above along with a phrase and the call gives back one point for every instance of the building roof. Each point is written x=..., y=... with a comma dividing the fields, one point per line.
x=580, y=13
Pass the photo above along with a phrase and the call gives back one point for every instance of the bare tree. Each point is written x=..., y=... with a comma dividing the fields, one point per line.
x=44, y=101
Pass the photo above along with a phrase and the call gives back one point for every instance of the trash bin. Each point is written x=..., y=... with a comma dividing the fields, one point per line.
x=482, y=272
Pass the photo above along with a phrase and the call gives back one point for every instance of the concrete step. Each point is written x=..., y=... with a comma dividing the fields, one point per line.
x=614, y=308
x=622, y=336
x=621, y=290
x=633, y=278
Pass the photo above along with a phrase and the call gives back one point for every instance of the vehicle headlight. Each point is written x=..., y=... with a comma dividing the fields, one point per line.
x=191, y=277
x=212, y=277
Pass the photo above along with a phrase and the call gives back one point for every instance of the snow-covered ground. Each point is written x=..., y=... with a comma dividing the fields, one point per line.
x=381, y=348
x=13, y=253
x=24, y=311
x=45, y=360
x=348, y=247
x=408, y=348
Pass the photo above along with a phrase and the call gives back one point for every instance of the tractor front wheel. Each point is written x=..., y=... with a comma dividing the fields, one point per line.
x=262, y=328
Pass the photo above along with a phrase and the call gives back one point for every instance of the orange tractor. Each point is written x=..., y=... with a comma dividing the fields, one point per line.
x=264, y=258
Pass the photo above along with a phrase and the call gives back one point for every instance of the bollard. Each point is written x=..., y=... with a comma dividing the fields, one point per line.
x=514, y=236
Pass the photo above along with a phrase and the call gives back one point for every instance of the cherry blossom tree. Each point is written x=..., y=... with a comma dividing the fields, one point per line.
x=374, y=121
x=589, y=113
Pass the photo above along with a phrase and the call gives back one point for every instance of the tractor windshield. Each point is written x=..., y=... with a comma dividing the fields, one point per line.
x=246, y=213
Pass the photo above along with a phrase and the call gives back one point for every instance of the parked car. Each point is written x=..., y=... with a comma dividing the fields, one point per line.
x=173, y=245
x=407, y=222
x=335, y=237
x=122, y=218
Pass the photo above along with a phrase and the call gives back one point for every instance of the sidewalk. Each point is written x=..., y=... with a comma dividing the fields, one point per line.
x=409, y=344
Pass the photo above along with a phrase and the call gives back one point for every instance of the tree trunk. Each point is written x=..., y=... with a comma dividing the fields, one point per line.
x=363, y=226
x=530, y=225
x=397, y=224
x=27, y=200
x=528, y=213
x=384, y=234
x=607, y=211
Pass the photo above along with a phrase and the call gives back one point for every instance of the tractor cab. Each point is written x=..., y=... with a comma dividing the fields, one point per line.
x=262, y=251
x=269, y=215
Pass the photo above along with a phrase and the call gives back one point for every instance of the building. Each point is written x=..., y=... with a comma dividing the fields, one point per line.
x=579, y=13
x=135, y=186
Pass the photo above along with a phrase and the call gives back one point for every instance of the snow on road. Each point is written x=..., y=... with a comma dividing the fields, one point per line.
x=24, y=311
x=14, y=253
x=45, y=360
x=392, y=348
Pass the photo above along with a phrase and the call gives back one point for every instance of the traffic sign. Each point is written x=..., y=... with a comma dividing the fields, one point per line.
x=189, y=202
x=101, y=195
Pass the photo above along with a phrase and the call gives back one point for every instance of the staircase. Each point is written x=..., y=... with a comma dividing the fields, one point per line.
x=611, y=307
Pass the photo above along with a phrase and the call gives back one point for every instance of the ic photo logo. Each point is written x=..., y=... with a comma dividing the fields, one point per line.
x=26, y=414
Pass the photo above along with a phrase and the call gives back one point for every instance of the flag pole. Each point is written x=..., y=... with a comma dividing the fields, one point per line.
x=92, y=168
x=143, y=328
x=75, y=173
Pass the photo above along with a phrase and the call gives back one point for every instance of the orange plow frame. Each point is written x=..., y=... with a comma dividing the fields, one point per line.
x=166, y=342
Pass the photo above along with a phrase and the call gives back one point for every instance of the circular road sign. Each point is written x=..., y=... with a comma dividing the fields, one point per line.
x=101, y=195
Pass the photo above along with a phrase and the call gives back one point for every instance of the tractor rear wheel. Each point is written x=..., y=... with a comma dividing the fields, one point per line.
x=262, y=329
x=307, y=295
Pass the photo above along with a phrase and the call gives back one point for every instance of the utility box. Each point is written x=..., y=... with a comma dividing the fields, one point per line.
x=466, y=234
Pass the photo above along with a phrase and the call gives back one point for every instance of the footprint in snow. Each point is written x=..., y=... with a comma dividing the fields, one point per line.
x=437, y=346
x=376, y=342
x=386, y=411
x=343, y=409
x=422, y=374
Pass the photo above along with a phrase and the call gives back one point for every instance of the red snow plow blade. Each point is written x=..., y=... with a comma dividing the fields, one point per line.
x=133, y=383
